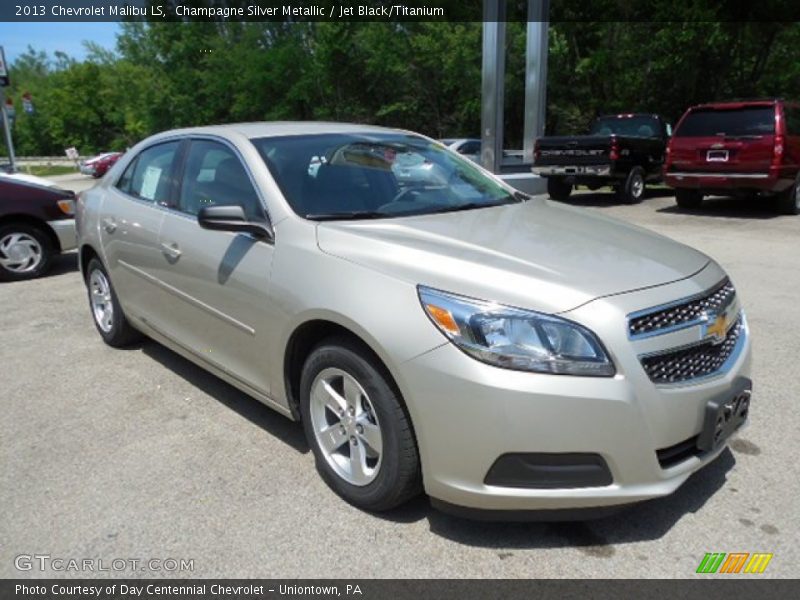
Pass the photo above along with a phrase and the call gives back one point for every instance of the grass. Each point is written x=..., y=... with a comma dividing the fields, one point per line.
x=47, y=170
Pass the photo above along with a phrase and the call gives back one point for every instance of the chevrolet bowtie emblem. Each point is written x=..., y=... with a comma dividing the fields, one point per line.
x=717, y=328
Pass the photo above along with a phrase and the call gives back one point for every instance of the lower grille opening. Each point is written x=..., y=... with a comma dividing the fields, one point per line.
x=669, y=457
x=540, y=470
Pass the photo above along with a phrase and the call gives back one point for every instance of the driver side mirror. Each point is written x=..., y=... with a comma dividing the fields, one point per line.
x=231, y=217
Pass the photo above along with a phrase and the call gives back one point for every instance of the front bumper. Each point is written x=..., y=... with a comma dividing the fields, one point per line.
x=468, y=414
x=66, y=233
x=87, y=169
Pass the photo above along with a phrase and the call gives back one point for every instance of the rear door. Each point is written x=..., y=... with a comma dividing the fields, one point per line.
x=218, y=307
x=733, y=139
x=130, y=220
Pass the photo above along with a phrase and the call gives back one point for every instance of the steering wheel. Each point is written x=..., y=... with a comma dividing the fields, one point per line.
x=403, y=193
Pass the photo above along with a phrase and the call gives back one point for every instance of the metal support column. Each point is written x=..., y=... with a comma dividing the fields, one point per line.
x=535, y=75
x=492, y=89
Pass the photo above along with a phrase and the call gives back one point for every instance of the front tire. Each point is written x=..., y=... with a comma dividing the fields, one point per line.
x=688, y=199
x=357, y=428
x=632, y=192
x=558, y=189
x=789, y=201
x=26, y=252
x=107, y=313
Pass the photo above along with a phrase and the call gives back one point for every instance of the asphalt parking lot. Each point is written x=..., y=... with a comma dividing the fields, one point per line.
x=140, y=454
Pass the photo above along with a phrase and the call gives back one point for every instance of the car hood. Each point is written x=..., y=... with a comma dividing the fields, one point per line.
x=30, y=179
x=539, y=254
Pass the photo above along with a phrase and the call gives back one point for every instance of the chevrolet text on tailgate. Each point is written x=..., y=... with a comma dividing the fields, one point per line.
x=622, y=151
x=434, y=331
x=743, y=148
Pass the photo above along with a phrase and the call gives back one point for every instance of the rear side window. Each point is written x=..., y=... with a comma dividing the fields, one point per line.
x=470, y=148
x=752, y=120
x=792, y=116
x=636, y=126
x=149, y=177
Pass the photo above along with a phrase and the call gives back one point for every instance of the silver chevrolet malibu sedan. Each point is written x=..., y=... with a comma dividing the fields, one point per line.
x=432, y=328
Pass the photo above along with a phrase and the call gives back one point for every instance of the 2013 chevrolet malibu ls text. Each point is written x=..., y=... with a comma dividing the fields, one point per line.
x=440, y=332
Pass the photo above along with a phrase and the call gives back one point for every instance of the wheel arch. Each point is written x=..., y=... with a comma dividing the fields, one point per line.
x=308, y=335
x=86, y=252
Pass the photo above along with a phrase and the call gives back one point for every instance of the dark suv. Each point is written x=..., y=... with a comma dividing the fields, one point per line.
x=749, y=147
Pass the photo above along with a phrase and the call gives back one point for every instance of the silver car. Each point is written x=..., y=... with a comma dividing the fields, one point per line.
x=500, y=352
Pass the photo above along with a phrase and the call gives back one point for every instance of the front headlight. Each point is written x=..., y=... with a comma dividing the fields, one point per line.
x=514, y=338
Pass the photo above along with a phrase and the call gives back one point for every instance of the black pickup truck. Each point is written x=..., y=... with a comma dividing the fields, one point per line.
x=621, y=151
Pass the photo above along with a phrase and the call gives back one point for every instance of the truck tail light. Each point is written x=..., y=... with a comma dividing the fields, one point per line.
x=668, y=156
x=614, y=153
x=536, y=150
x=777, y=150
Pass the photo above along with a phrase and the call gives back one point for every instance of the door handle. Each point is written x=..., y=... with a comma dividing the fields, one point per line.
x=171, y=250
x=109, y=224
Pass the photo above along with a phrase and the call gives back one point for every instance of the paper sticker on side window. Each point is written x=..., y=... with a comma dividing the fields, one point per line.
x=150, y=180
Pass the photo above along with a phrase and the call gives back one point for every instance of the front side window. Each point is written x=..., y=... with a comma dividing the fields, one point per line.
x=331, y=176
x=215, y=175
x=150, y=175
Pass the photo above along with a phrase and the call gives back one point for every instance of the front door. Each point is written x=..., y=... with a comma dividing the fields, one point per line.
x=218, y=307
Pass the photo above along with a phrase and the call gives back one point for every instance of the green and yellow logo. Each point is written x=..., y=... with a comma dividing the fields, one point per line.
x=735, y=562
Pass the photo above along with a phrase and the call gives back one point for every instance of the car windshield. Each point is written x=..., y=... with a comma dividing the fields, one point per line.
x=642, y=126
x=367, y=176
x=747, y=121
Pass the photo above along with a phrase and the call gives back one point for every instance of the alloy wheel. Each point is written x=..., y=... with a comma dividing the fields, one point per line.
x=346, y=427
x=100, y=296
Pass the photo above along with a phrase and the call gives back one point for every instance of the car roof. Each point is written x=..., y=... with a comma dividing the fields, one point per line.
x=283, y=128
x=733, y=104
x=628, y=115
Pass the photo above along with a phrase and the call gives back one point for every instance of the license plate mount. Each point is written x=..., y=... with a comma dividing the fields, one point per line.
x=717, y=156
x=723, y=416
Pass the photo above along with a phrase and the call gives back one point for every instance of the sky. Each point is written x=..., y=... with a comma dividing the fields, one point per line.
x=67, y=37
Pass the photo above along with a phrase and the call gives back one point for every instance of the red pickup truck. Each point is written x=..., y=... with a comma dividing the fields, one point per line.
x=750, y=148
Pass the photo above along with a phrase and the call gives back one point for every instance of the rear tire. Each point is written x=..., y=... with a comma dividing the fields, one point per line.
x=558, y=189
x=632, y=192
x=789, y=201
x=357, y=428
x=688, y=199
x=107, y=313
x=26, y=252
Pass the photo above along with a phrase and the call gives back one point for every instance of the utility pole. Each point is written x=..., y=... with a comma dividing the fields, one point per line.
x=4, y=81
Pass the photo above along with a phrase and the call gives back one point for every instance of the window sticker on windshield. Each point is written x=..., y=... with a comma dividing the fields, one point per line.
x=150, y=182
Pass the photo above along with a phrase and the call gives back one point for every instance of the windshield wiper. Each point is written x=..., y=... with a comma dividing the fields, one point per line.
x=348, y=216
x=522, y=196
x=466, y=206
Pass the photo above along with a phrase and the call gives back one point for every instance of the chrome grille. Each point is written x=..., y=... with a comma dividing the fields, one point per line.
x=693, y=361
x=683, y=314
